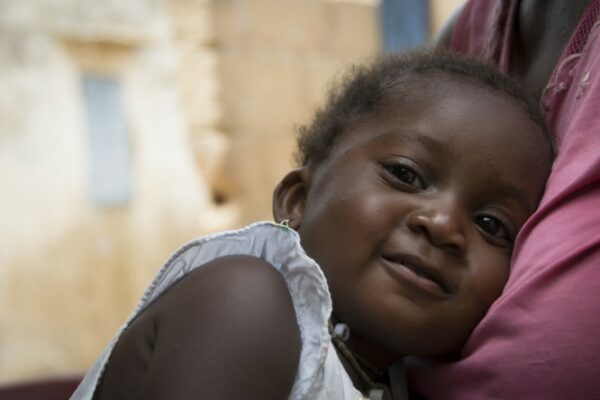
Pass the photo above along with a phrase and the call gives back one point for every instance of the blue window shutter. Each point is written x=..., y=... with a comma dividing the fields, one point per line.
x=108, y=142
x=404, y=23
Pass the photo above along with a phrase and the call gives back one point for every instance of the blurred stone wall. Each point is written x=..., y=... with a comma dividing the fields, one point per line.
x=70, y=269
x=276, y=58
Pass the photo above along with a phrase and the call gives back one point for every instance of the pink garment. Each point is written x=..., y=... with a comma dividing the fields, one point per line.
x=541, y=339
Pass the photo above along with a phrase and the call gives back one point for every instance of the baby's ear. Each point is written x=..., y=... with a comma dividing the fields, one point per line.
x=289, y=197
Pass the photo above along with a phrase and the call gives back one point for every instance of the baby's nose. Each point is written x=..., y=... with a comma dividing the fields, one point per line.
x=442, y=226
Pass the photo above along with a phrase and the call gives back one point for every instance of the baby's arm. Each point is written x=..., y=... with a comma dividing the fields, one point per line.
x=226, y=331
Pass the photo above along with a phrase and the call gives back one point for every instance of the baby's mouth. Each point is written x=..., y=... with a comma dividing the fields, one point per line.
x=417, y=272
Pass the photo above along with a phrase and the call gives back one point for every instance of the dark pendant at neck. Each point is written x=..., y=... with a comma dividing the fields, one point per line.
x=368, y=379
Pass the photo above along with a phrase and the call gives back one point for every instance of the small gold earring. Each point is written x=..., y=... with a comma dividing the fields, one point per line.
x=285, y=222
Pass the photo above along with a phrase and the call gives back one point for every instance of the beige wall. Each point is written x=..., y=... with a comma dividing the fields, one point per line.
x=70, y=271
x=213, y=91
x=275, y=59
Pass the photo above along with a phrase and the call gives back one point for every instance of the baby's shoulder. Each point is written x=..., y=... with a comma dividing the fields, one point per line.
x=231, y=291
x=234, y=314
x=235, y=284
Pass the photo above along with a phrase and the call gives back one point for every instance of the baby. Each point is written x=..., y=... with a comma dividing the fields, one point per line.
x=394, y=239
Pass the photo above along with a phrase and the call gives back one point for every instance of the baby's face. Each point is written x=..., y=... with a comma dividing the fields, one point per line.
x=413, y=215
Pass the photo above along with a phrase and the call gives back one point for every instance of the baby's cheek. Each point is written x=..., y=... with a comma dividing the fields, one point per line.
x=486, y=287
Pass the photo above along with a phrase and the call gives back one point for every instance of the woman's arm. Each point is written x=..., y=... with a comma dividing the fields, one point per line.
x=226, y=331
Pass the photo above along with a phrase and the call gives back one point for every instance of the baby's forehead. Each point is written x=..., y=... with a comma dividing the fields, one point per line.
x=440, y=91
x=440, y=83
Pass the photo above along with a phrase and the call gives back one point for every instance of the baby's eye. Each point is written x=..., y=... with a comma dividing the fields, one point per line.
x=406, y=175
x=493, y=226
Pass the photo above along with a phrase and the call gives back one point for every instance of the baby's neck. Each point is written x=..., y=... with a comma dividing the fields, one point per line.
x=365, y=364
x=377, y=358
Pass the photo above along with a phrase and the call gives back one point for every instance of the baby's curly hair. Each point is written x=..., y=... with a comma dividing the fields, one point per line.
x=366, y=87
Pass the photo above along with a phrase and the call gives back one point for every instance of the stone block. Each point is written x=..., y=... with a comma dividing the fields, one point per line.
x=296, y=25
x=192, y=21
x=262, y=89
x=354, y=29
x=199, y=87
x=290, y=24
x=259, y=164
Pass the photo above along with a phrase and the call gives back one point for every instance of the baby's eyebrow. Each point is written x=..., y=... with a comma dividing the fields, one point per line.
x=414, y=136
x=517, y=198
x=431, y=143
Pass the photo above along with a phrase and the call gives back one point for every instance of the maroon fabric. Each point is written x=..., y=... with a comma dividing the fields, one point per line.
x=45, y=389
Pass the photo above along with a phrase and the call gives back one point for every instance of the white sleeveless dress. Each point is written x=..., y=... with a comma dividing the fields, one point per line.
x=320, y=375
